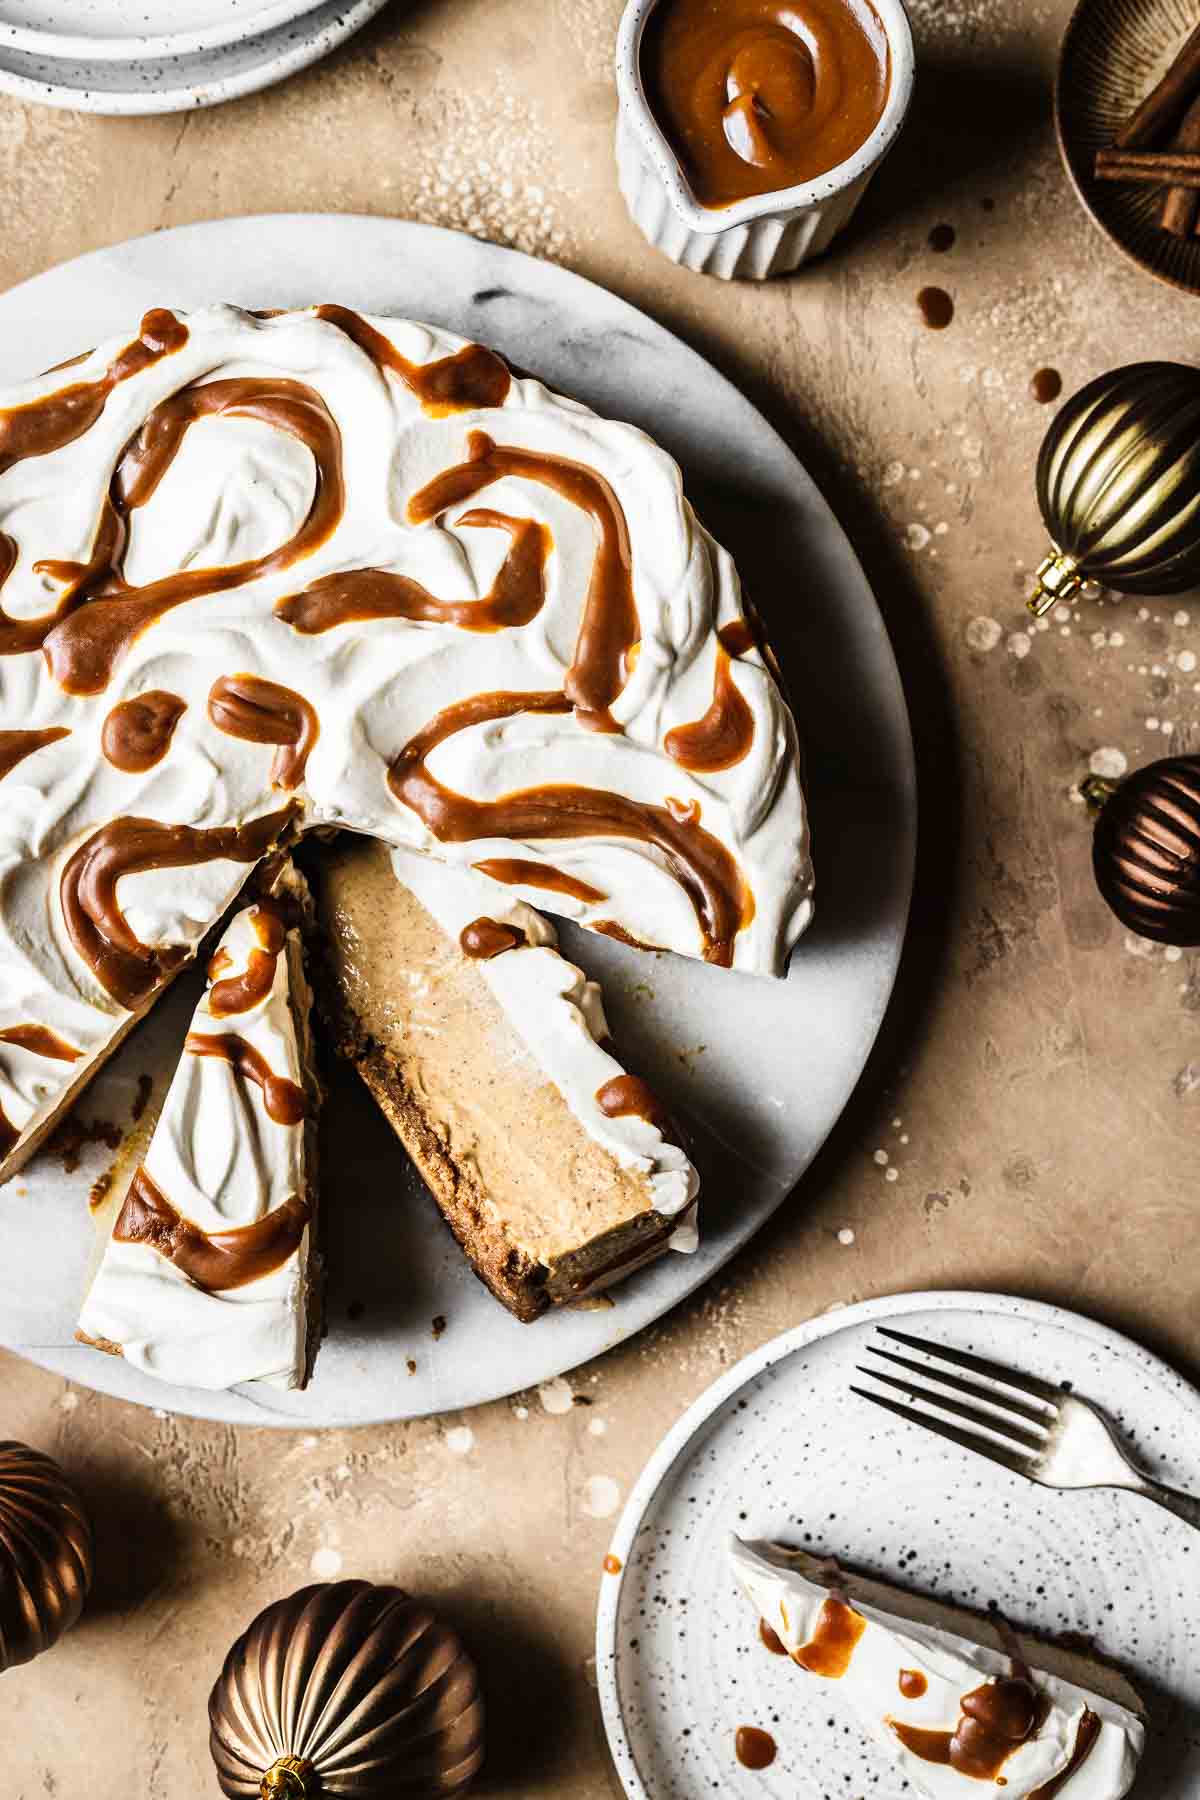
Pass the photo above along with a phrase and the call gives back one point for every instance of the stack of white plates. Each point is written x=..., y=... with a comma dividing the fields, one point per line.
x=159, y=56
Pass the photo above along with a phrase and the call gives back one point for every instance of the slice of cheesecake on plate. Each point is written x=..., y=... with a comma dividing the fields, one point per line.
x=488, y=1052
x=962, y=1705
x=207, y=1272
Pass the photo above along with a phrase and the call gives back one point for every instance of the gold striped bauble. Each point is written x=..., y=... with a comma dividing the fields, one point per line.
x=45, y=1554
x=1118, y=483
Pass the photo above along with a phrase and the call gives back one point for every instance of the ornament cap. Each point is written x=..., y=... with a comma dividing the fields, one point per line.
x=287, y=1779
x=1097, y=790
x=1057, y=581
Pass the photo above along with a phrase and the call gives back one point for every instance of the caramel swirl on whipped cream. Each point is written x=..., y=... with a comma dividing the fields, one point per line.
x=358, y=563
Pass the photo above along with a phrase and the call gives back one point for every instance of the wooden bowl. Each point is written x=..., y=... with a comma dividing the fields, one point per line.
x=1112, y=54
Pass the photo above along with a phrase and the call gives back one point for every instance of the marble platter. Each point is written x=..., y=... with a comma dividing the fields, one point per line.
x=766, y=1067
x=779, y=1448
x=124, y=30
x=276, y=41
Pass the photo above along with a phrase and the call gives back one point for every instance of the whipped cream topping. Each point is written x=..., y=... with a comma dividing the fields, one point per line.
x=283, y=457
x=938, y=1668
x=223, y=1164
x=559, y=1014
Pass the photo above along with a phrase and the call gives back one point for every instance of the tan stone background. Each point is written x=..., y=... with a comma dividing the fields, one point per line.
x=1037, y=1089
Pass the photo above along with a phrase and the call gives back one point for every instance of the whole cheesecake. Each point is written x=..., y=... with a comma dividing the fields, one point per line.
x=265, y=574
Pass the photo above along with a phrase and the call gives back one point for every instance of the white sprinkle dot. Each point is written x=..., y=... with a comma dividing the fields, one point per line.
x=326, y=1563
x=1061, y=615
x=1064, y=631
x=520, y=1412
x=460, y=1440
x=1181, y=618
x=1166, y=728
x=601, y=1497
x=1143, y=613
x=896, y=1124
x=1116, y=639
x=916, y=536
x=845, y=1236
x=1152, y=723
x=1108, y=762
x=891, y=1174
x=556, y=1395
x=1042, y=625
x=881, y=1157
x=68, y=1402
x=1186, y=661
x=1173, y=953
x=1019, y=644
x=904, y=1137
x=983, y=634
x=597, y=1427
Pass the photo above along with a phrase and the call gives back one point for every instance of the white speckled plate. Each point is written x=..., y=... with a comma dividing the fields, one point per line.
x=779, y=1448
x=168, y=80
x=125, y=30
x=766, y=1065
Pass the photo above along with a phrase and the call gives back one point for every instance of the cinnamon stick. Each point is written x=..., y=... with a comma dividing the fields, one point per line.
x=1150, y=168
x=1181, y=205
x=1165, y=104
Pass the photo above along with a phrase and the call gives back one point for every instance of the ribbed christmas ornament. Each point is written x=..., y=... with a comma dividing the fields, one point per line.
x=1146, y=848
x=45, y=1554
x=351, y=1690
x=1118, y=483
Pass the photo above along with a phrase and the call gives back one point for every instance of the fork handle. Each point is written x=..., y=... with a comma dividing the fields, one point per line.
x=1184, y=1506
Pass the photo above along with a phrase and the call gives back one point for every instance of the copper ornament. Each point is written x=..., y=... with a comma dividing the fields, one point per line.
x=346, y=1689
x=45, y=1554
x=1146, y=848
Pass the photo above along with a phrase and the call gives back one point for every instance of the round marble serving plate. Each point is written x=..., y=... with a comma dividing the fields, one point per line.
x=766, y=1066
x=1113, y=53
x=780, y=1448
x=125, y=30
x=171, y=82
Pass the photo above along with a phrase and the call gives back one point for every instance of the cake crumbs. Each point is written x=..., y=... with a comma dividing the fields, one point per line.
x=73, y=1137
x=412, y=1365
x=438, y=1326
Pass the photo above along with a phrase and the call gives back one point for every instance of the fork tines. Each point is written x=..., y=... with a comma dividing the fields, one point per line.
x=1009, y=1430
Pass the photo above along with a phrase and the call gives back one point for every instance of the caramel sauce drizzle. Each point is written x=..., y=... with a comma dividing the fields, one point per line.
x=609, y=626
x=629, y=1094
x=770, y=1639
x=99, y=615
x=137, y=733
x=610, y=929
x=126, y=968
x=55, y=420
x=725, y=733
x=283, y=1100
x=996, y=1719
x=484, y=938
x=15, y=746
x=517, y=595
x=1085, y=1743
x=473, y=377
x=41, y=1041
x=263, y=712
x=737, y=637
x=754, y=1748
x=835, y=1636
x=518, y=871
x=700, y=862
x=215, y=1261
x=241, y=993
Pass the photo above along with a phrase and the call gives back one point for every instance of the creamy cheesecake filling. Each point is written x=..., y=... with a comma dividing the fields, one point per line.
x=951, y=1713
x=205, y=1279
x=264, y=574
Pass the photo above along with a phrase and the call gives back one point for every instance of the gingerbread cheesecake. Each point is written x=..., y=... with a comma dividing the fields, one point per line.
x=557, y=1170
x=260, y=574
x=954, y=1699
x=208, y=1273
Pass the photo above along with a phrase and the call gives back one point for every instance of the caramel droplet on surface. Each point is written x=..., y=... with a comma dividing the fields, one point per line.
x=936, y=307
x=755, y=1749
x=1046, y=385
x=485, y=938
x=612, y=1564
x=941, y=238
x=912, y=1684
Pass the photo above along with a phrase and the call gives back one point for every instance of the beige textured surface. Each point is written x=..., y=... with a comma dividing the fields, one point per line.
x=1037, y=1093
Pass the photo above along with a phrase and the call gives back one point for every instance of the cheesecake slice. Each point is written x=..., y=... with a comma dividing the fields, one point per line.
x=207, y=1273
x=955, y=1700
x=488, y=1052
